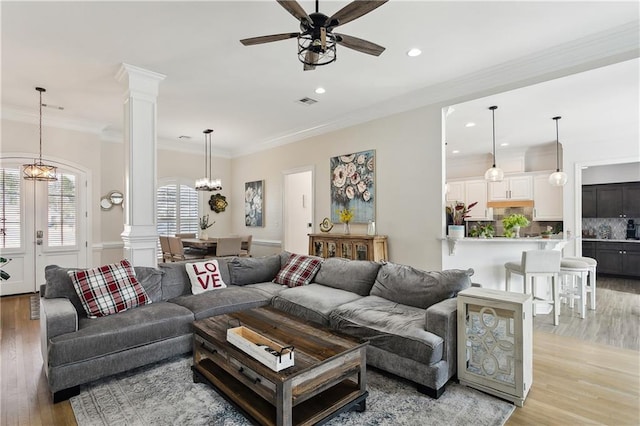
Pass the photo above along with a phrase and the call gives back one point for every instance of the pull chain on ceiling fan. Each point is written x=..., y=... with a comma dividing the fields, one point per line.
x=316, y=39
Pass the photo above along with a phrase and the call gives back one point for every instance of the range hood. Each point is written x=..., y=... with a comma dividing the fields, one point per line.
x=510, y=203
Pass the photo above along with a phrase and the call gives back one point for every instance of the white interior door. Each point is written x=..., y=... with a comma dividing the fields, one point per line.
x=41, y=223
x=298, y=210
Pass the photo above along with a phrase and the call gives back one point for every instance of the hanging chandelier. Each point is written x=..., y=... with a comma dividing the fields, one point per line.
x=207, y=183
x=557, y=178
x=38, y=170
x=494, y=174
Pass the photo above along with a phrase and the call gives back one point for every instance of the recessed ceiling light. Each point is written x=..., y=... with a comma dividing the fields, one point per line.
x=504, y=144
x=320, y=90
x=414, y=52
x=470, y=124
x=455, y=151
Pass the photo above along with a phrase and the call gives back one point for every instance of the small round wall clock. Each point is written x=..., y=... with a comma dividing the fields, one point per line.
x=218, y=203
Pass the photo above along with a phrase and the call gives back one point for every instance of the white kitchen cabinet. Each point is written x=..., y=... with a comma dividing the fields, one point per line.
x=547, y=199
x=476, y=190
x=512, y=188
x=455, y=192
x=495, y=344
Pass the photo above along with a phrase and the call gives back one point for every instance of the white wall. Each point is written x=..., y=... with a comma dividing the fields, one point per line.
x=629, y=172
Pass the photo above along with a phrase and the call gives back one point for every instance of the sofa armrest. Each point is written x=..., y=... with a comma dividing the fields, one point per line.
x=57, y=316
x=441, y=320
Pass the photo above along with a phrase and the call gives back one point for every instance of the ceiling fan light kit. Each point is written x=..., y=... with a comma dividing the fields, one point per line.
x=316, y=39
x=207, y=183
x=558, y=178
x=494, y=174
x=38, y=170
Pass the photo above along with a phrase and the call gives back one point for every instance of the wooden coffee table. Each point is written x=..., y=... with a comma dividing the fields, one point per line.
x=329, y=376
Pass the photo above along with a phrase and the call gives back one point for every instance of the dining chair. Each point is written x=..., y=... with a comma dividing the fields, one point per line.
x=178, y=253
x=166, y=250
x=538, y=264
x=228, y=246
x=245, y=247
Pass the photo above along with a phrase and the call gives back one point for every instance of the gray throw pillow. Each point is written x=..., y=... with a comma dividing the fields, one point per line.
x=356, y=276
x=252, y=270
x=421, y=289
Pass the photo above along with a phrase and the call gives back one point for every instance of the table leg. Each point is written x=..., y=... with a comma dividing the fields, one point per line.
x=284, y=406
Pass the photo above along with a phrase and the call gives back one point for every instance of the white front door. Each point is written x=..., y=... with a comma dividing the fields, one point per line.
x=297, y=210
x=41, y=223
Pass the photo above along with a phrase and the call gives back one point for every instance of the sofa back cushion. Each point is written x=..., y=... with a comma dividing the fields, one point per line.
x=356, y=276
x=59, y=285
x=421, y=289
x=251, y=270
x=151, y=281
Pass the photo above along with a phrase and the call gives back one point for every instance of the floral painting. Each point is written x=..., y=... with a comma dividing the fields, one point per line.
x=253, y=203
x=353, y=185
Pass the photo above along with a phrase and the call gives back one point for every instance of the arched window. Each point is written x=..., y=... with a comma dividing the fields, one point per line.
x=177, y=208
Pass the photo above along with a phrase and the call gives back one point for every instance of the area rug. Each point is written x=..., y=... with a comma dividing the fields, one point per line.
x=34, y=306
x=164, y=394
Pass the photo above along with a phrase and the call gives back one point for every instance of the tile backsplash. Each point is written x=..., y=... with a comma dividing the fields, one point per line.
x=613, y=228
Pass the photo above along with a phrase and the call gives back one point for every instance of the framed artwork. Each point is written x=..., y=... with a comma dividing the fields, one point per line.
x=254, y=203
x=353, y=185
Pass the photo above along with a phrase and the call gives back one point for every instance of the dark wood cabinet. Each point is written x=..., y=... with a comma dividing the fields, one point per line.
x=617, y=258
x=589, y=249
x=611, y=200
x=589, y=201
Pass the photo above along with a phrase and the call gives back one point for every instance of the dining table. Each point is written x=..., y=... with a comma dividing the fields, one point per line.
x=209, y=244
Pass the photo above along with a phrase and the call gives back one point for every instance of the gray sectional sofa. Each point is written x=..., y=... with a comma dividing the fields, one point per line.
x=407, y=315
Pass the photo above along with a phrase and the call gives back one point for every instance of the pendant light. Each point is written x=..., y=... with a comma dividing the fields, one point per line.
x=206, y=183
x=494, y=174
x=557, y=178
x=38, y=170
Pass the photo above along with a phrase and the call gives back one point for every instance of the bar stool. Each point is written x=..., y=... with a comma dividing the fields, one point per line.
x=577, y=272
x=538, y=264
x=591, y=287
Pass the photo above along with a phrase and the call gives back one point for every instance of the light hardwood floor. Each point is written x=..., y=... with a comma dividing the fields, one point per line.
x=577, y=381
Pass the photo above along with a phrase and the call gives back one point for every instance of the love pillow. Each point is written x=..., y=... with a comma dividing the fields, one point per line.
x=205, y=276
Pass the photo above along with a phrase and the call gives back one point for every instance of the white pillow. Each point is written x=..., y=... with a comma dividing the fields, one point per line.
x=205, y=276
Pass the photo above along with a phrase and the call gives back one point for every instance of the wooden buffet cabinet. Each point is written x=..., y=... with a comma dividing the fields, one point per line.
x=349, y=246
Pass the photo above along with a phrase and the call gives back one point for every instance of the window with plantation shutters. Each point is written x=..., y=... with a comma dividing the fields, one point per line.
x=62, y=211
x=10, y=224
x=177, y=209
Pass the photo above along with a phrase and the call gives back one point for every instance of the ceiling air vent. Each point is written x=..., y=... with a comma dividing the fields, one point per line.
x=307, y=101
x=185, y=137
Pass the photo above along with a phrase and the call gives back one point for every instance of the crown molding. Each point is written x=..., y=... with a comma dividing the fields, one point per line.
x=23, y=115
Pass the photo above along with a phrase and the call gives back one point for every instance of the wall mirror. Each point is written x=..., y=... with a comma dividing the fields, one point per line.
x=113, y=198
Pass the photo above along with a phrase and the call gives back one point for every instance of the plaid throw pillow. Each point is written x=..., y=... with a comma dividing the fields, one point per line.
x=299, y=270
x=108, y=289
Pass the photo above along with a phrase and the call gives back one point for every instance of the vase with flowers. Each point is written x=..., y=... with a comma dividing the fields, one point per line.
x=458, y=212
x=204, y=225
x=345, y=216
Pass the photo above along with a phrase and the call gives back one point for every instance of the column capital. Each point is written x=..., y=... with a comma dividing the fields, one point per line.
x=139, y=79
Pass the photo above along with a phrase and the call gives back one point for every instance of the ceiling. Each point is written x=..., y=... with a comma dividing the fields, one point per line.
x=248, y=94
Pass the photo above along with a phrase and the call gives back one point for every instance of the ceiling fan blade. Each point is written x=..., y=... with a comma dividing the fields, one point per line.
x=268, y=39
x=311, y=57
x=359, y=44
x=294, y=8
x=353, y=10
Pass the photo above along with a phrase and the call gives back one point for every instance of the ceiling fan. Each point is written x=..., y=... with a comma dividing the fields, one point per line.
x=316, y=39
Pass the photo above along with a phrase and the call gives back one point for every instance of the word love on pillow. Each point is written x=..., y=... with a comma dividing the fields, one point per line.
x=204, y=276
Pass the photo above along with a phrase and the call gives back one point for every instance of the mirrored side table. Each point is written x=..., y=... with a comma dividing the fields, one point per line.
x=495, y=345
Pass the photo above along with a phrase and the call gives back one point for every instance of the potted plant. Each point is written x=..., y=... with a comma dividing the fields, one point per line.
x=204, y=225
x=458, y=213
x=482, y=231
x=513, y=223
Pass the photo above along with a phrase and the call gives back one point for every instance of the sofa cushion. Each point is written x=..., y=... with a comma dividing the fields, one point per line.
x=222, y=301
x=205, y=276
x=59, y=284
x=108, y=289
x=268, y=289
x=151, y=280
x=390, y=326
x=251, y=270
x=299, y=270
x=421, y=289
x=312, y=302
x=115, y=333
x=357, y=276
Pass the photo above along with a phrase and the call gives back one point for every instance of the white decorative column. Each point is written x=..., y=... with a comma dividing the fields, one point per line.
x=140, y=234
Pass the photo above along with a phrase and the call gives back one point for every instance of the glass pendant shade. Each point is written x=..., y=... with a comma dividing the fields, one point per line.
x=557, y=178
x=494, y=174
x=207, y=183
x=38, y=170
